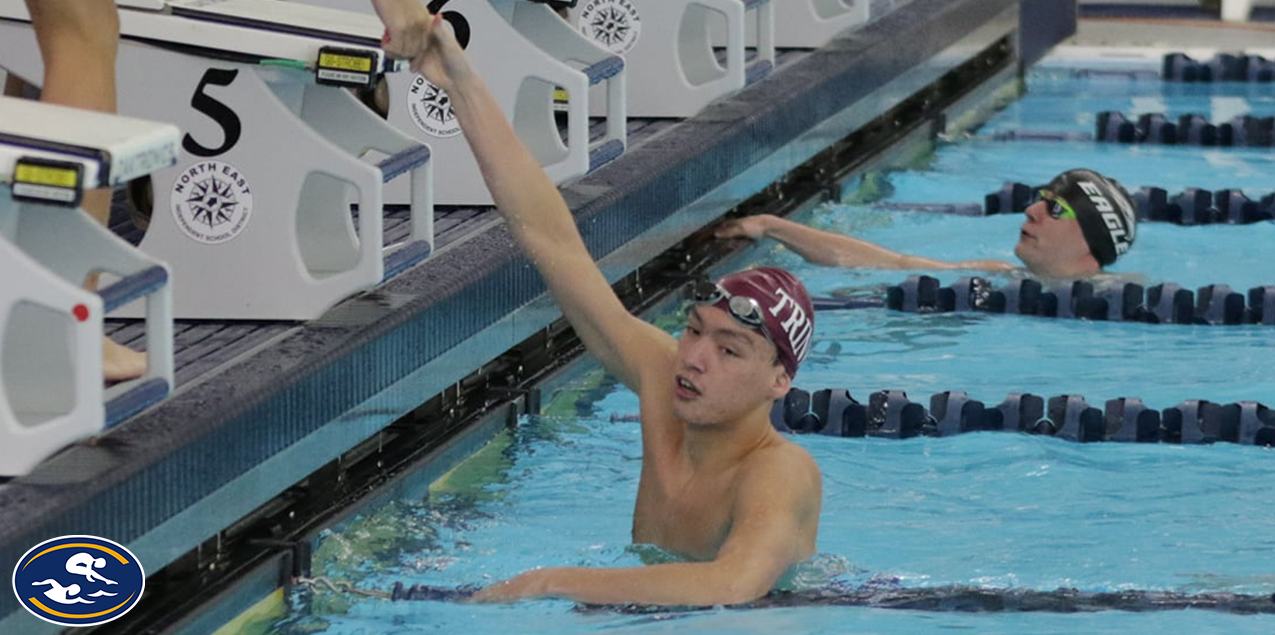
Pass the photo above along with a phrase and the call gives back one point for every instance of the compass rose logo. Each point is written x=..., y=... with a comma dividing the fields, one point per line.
x=211, y=201
x=615, y=24
x=431, y=109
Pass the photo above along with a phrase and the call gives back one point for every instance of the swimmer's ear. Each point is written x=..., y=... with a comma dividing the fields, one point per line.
x=782, y=383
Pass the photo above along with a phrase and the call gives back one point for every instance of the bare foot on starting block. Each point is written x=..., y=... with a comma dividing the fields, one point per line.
x=120, y=362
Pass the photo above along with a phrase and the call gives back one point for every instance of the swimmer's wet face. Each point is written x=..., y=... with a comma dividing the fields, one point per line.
x=1049, y=246
x=725, y=370
x=745, y=337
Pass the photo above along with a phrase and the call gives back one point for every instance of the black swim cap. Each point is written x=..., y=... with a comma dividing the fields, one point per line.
x=1105, y=211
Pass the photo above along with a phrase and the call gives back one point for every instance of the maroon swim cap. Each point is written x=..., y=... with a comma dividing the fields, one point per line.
x=787, y=313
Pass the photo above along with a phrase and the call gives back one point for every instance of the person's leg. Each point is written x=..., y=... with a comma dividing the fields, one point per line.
x=78, y=41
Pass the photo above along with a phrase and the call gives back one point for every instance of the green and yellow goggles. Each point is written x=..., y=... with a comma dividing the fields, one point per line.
x=1058, y=208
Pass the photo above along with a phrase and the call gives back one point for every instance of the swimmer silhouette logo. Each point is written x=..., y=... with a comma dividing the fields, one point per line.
x=212, y=202
x=615, y=24
x=431, y=109
x=78, y=580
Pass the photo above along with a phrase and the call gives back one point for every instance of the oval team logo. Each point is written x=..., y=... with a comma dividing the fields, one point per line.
x=78, y=580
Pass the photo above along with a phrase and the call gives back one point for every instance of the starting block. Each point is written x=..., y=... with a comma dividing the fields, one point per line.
x=524, y=52
x=668, y=48
x=51, y=389
x=808, y=24
x=255, y=218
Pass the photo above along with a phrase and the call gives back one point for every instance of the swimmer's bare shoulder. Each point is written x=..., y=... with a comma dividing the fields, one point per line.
x=778, y=499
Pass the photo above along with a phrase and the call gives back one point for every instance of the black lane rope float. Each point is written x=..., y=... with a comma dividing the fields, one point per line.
x=1223, y=67
x=1182, y=68
x=945, y=599
x=1157, y=129
x=890, y=414
x=1165, y=303
x=1191, y=206
x=1189, y=129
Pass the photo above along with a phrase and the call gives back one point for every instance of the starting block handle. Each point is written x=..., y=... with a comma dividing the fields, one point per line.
x=355, y=129
x=419, y=246
x=555, y=36
x=133, y=287
x=742, y=74
x=70, y=243
x=48, y=401
x=137, y=398
x=765, y=61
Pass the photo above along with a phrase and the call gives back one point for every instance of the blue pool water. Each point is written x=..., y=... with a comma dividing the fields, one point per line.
x=988, y=509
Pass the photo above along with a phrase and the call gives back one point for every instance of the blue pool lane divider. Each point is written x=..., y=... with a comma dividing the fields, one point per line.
x=1224, y=67
x=890, y=414
x=1190, y=129
x=1166, y=303
x=1191, y=206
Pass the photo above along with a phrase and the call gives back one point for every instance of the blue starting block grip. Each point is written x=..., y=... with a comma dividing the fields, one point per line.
x=405, y=257
x=403, y=162
x=132, y=287
x=135, y=400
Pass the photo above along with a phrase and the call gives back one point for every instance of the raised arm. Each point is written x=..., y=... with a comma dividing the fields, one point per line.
x=536, y=213
x=826, y=248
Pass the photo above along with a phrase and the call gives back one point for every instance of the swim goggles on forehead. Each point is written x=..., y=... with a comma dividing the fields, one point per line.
x=744, y=309
x=1058, y=208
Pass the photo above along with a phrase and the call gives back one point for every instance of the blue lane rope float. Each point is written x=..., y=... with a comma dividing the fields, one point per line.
x=890, y=414
x=1192, y=206
x=1165, y=303
x=1224, y=67
x=1157, y=129
x=889, y=594
x=1189, y=129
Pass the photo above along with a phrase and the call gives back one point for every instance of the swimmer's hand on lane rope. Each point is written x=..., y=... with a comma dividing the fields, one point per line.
x=413, y=33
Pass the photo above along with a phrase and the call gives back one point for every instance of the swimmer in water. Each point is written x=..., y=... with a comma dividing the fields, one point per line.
x=719, y=485
x=1079, y=223
x=62, y=594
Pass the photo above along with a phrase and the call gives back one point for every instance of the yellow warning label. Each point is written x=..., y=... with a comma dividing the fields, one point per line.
x=345, y=62
x=560, y=94
x=46, y=175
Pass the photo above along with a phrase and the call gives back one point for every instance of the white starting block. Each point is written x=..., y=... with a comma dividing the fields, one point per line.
x=523, y=51
x=51, y=389
x=668, y=48
x=255, y=218
x=808, y=24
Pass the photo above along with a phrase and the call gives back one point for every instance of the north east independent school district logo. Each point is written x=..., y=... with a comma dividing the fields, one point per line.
x=431, y=109
x=211, y=201
x=614, y=24
x=78, y=580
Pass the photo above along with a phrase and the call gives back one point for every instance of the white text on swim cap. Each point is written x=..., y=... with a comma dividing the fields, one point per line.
x=797, y=327
x=1115, y=224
